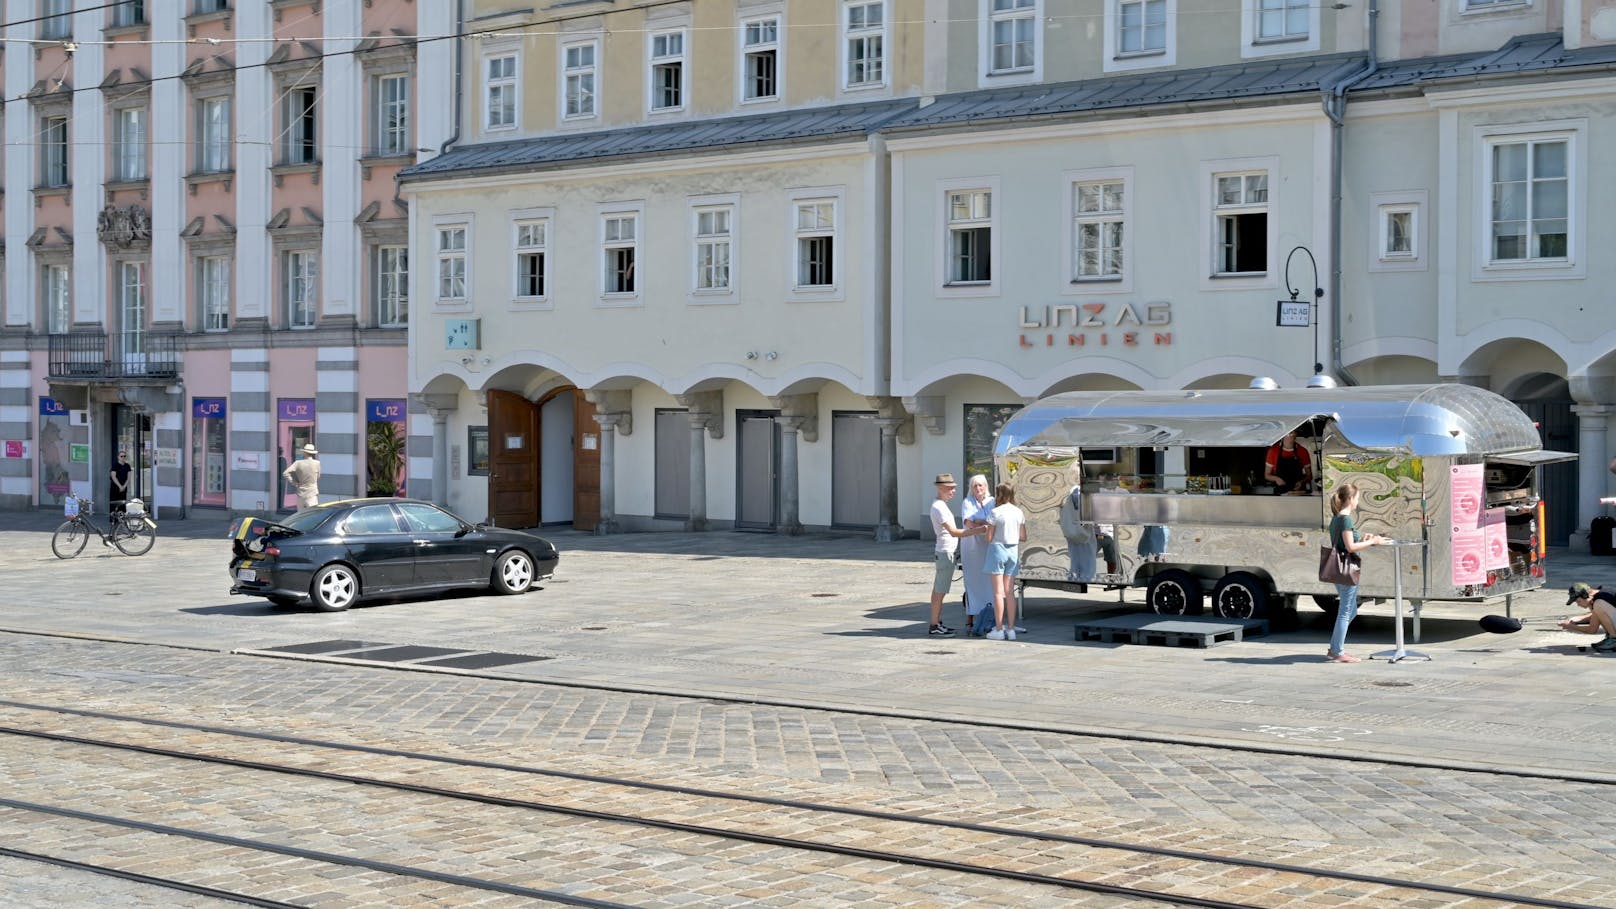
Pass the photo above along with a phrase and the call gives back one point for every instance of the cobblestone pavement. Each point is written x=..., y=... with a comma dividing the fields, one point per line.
x=758, y=630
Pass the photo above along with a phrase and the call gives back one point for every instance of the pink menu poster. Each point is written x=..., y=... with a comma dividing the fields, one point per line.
x=1468, y=488
x=1497, y=539
x=1469, y=557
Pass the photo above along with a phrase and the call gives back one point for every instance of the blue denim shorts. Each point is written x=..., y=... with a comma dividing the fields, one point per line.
x=1002, y=560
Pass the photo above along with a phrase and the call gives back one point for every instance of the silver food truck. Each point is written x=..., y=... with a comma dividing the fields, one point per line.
x=1171, y=491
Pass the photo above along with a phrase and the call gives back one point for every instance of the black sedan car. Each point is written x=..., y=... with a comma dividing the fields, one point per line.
x=340, y=552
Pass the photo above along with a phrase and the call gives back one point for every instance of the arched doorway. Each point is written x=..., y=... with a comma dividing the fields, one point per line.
x=541, y=454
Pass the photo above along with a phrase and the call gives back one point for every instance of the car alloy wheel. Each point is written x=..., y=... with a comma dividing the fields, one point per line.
x=513, y=573
x=335, y=588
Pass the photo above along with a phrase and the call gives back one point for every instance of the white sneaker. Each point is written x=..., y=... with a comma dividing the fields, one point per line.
x=1020, y=630
x=1010, y=634
x=997, y=634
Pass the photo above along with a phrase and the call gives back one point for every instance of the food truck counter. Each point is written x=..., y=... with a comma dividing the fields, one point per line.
x=1187, y=508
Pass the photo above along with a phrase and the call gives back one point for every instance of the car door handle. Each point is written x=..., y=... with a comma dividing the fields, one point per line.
x=420, y=542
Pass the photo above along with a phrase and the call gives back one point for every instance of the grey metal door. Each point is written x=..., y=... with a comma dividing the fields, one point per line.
x=757, y=470
x=673, y=463
x=855, y=470
x=1558, y=427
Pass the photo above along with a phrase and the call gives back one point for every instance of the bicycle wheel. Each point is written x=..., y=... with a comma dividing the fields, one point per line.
x=69, y=539
x=135, y=537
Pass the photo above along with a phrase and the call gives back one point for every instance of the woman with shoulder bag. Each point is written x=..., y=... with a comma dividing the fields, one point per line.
x=1344, y=537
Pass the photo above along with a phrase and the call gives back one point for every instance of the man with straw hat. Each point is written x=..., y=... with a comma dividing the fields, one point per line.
x=947, y=535
x=304, y=475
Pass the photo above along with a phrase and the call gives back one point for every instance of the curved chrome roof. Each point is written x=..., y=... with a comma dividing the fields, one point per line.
x=1415, y=419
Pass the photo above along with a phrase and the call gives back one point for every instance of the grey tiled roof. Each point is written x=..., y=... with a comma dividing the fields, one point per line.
x=1524, y=55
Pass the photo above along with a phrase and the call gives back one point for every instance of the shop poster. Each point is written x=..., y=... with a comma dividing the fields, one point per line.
x=1497, y=536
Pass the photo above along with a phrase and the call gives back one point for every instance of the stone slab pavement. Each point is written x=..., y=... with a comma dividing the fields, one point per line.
x=840, y=621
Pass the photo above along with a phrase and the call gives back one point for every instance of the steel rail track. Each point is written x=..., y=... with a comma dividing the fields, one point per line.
x=766, y=839
x=150, y=880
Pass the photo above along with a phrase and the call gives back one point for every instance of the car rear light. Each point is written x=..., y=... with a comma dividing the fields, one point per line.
x=270, y=549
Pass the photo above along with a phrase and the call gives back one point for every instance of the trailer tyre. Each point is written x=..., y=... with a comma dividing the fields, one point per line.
x=1174, y=593
x=1240, y=596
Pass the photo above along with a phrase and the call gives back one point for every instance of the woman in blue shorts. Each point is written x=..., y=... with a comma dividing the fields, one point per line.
x=1007, y=529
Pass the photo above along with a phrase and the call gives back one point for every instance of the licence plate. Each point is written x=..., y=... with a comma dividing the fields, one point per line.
x=246, y=574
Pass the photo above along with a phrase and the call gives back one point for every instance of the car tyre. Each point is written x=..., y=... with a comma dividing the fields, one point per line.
x=1240, y=595
x=513, y=572
x=1174, y=592
x=334, y=588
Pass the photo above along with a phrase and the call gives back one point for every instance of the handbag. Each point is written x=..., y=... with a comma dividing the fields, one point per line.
x=1338, y=566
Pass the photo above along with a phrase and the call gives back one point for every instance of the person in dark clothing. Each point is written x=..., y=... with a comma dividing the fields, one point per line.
x=1289, y=467
x=120, y=484
x=1600, y=617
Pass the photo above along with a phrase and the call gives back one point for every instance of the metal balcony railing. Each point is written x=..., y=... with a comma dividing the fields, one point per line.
x=98, y=355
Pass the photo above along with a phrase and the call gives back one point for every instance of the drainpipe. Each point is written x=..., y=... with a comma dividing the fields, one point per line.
x=459, y=74
x=1335, y=107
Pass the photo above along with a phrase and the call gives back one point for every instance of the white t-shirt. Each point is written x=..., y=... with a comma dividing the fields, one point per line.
x=941, y=519
x=1007, y=523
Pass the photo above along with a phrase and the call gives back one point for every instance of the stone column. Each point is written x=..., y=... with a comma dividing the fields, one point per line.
x=439, y=406
x=608, y=423
x=706, y=413
x=889, y=530
x=1592, y=457
x=790, y=489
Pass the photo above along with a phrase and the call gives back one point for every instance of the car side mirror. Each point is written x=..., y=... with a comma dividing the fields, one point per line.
x=464, y=529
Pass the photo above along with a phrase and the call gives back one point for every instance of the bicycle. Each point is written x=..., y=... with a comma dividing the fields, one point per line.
x=133, y=532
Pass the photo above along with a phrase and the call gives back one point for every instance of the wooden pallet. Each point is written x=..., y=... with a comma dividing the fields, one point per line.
x=1169, y=631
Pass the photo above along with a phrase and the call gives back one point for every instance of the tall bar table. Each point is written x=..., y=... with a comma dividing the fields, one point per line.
x=1398, y=654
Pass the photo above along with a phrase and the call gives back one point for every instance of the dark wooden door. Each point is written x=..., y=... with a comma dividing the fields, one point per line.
x=513, y=460
x=585, y=465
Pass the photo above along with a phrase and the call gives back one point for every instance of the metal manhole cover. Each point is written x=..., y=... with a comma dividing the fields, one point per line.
x=593, y=628
x=938, y=652
x=824, y=594
x=1394, y=684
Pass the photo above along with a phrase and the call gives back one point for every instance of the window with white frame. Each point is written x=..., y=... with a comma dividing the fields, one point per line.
x=390, y=115
x=1099, y=220
x=864, y=39
x=1240, y=215
x=1530, y=218
x=300, y=125
x=58, y=16
x=499, y=92
x=620, y=246
x=213, y=135
x=210, y=6
x=451, y=253
x=1141, y=26
x=53, y=150
x=713, y=225
x=131, y=12
x=1012, y=31
x=760, y=59
x=213, y=287
x=390, y=284
x=816, y=243
x=129, y=143
x=668, y=71
x=53, y=292
x=300, y=287
x=1397, y=236
x=578, y=81
x=131, y=308
x=1282, y=20
x=970, y=236
x=1468, y=5
x=532, y=256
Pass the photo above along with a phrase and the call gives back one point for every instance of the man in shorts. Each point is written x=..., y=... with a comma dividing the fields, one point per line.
x=947, y=534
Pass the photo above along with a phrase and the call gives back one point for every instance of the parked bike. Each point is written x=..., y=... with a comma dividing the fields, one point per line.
x=133, y=532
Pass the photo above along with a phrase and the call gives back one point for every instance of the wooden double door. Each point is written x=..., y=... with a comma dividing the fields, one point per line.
x=532, y=446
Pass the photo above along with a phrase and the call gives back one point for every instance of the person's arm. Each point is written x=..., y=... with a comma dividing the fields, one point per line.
x=989, y=530
x=1271, y=464
x=1354, y=542
x=1023, y=528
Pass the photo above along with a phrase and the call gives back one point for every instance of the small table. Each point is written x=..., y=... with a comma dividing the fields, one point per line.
x=1398, y=653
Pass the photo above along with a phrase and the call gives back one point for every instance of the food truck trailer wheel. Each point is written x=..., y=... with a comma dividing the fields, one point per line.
x=1174, y=593
x=1329, y=604
x=1240, y=595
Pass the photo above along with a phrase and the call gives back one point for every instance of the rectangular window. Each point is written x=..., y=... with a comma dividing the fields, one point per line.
x=668, y=71
x=300, y=288
x=970, y=237
x=451, y=247
x=532, y=245
x=1280, y=20
x=865, y=25
x=499, y=92
x=713, y=248
x=578, y=72
x=214, y=286
x=760, y=59
x=60, y=23
x=53, y=288
x=619, y=245
x=1097, y=229
x=391, y=286
x=132, y=12
x=1142, y=26
x=213, y=135
x=210, y=6
x=131, y=309
x=1240, y=207
x=816, y=243
x=1397, y=233
x=390, y=127
x=1012, y=25
x=53, y=151
x=129, y=143
x=1530, y=209
x=300, y=121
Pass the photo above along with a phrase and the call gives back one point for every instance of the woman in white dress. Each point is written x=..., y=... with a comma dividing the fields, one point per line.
x=974, y=515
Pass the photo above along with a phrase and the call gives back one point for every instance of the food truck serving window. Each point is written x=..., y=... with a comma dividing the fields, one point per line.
x=1167, y=430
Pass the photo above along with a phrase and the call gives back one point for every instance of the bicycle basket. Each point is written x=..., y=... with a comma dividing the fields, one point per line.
x=134, y=508
x=70, y=506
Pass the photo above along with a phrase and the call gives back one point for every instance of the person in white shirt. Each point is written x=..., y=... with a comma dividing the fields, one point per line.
x=947, y=535
x=1007, y=530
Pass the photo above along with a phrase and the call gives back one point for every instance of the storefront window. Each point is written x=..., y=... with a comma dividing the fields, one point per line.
x=55, y=452
x=982, y=425
x=385, y=455
x=208, y=451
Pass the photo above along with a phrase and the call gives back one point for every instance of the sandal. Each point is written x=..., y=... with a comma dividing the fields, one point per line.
x=1342, y=658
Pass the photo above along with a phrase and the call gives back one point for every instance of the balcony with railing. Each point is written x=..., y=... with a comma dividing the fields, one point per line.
x=98, y=356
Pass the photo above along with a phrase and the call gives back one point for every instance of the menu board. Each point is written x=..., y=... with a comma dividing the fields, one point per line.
x=1467, y=486
x=1497, y=537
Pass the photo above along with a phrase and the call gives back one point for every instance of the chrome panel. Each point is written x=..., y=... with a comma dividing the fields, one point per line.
x=1253, y=511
